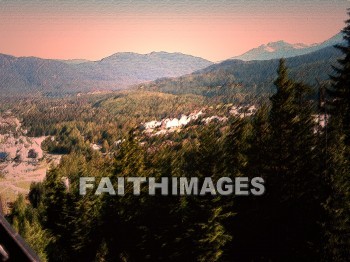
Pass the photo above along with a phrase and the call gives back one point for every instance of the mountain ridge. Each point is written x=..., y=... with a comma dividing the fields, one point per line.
x=279, y=49
x=52, y=77
x=118, y=71
x=234, y=77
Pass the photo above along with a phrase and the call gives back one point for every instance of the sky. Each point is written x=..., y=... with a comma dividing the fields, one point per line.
x=212, y=29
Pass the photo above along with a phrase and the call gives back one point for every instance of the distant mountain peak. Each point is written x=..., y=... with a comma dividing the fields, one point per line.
x=279, y=49
x=120, y=55
x=280, y=42
x=274, y=46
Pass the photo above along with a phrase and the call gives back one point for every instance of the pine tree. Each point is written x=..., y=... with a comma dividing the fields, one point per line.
x=338, y=154
x=282, y=113
x=340, y=91
x=291, y=200
x=292, y=133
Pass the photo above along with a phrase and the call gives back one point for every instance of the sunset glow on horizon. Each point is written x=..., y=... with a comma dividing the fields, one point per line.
x=214, y=30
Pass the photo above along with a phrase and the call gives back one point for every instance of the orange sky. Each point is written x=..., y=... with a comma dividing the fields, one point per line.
x=215, y=30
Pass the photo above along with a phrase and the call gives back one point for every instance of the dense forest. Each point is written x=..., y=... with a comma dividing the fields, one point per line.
x=303, y=216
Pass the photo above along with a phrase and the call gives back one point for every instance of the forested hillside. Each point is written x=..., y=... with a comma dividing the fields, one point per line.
x=31, y=76
x=249, y=77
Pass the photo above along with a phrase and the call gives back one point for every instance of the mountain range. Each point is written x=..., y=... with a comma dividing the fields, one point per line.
x=279, y=49
x=31, y=75
x=167, y=72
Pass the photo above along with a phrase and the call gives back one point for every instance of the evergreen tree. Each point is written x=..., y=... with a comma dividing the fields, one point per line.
x=340, y=91
x=25, y=220
x=249, y=242
x=291, y=204
x=121, y=229
x=338, y=154
x=214, y=236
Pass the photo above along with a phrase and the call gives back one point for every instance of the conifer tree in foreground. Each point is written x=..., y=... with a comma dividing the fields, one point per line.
x=338, y=157
x=291, y=196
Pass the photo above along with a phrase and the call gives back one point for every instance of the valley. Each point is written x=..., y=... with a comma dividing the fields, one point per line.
x=36, y=130
x=174, y=116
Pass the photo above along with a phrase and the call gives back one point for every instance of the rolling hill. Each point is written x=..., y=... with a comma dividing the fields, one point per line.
x=35, y=76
